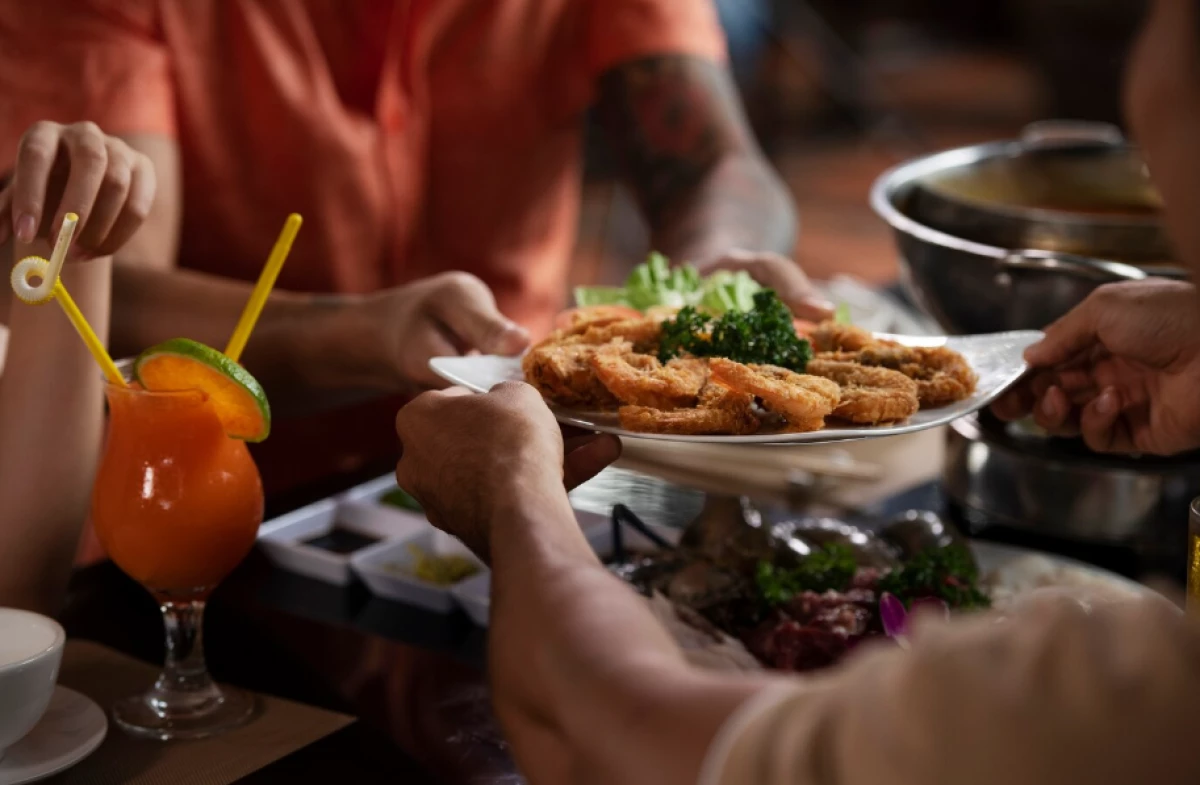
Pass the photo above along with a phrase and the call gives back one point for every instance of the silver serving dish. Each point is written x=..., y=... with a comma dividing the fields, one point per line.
x=1011, y=235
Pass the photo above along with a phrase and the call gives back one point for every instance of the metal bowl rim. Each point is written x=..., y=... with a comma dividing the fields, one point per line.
x=915, y=169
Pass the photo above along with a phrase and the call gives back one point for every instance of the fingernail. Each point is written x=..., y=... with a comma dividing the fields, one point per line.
x=26, y=228
x=1049, y=407
x=512, y=339
x=1107, y=403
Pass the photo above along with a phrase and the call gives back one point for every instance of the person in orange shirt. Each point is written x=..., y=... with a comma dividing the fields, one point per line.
x=51, y=401
x=433, y=146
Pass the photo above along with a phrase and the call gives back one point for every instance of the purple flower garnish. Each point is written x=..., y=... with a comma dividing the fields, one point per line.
x=895, y=617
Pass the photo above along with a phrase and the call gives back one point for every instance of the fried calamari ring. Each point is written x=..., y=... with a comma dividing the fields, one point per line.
x=804, y=401
x=640, y=380
x=721, y=411
x=943, y=376
x=869, y=396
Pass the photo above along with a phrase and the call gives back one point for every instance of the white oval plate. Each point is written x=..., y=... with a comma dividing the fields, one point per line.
x=997, y=358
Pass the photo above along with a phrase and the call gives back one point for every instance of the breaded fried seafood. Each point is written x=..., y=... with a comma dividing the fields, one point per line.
x=720, y=410
x=641, y=380
x=943, y=376
x=562, y=373
x=869, y=396
x=803, y=400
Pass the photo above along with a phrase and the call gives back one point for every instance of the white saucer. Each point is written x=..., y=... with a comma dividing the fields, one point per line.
x=70, y=730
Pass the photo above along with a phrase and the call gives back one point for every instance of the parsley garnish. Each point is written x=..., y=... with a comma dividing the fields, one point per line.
x=947, y=574
x=825, y=569
x=764, y=336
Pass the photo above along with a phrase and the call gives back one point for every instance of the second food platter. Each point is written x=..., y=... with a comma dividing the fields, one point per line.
x=997, y=359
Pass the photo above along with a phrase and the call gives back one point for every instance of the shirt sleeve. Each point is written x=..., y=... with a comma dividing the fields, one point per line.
x=74, y=60
x=623, y=30
x=1055, y=695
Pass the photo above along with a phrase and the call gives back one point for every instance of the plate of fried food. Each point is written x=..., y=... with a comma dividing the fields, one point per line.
x=747, y=373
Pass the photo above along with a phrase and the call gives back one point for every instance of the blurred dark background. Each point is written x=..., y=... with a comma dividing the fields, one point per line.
x=839, y=90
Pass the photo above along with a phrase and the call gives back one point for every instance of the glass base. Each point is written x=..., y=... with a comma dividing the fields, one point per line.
x=197, y=715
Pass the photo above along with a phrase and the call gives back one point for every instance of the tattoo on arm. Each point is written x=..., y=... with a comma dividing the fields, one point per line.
x=679, y=131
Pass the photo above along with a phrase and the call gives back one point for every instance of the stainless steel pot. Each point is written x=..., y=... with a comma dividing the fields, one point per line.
x=978, y=260
x=1057, y=488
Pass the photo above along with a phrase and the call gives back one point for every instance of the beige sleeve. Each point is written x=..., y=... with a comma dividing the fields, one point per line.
x=1053, y=696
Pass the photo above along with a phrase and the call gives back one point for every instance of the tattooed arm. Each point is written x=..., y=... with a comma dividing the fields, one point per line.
x=703, y=184
x=689, y=155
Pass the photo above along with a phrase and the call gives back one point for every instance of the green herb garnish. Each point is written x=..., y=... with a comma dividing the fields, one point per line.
x=948, y=574
x=400, y=498
x=825, y=569
x=765, y=335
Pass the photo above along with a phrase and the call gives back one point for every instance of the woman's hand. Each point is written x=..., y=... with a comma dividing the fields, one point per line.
x=1121, y=370
x=77, y=169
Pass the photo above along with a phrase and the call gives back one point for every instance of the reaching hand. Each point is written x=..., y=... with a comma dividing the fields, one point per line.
x=445, y=315
x=466, y=457
x=778, y=273
x=1121, y=370
x=77, y=169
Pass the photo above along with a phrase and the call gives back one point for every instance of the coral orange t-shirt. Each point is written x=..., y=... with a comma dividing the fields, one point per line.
x=415, y=136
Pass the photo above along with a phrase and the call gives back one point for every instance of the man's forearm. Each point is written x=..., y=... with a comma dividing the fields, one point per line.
x=294, y=332
x=741, y=204
x=701, y=180
x=585, y=678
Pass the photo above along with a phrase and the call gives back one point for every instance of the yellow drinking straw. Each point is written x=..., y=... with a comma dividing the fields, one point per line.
x=258, y=298
x=51, y=288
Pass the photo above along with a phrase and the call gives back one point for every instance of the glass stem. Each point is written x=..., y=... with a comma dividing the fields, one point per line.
x=184, y=685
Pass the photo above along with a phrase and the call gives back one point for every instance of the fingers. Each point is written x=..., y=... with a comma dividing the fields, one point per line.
x=115, y=182
x=466, y=306
x=1055, y=413
x=430, y=340
x=87, y=150
x=5, y=214
x=1016, y=404
x=143, y=185
x=1068, y=337
x=586, y=456
x=1101, y=426
x=35, y=160
x=78, y=169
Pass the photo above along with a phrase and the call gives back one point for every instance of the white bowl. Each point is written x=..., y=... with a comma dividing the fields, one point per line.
x=30, y=652
x=284, y=539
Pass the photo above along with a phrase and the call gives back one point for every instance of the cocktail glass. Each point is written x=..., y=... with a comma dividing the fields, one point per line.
x=177, y=505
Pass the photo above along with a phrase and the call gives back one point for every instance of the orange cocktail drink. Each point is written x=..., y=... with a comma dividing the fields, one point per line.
x=177, y=503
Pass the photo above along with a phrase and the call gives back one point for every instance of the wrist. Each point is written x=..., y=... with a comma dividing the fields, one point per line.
x=530, y=513
x=329, y=343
